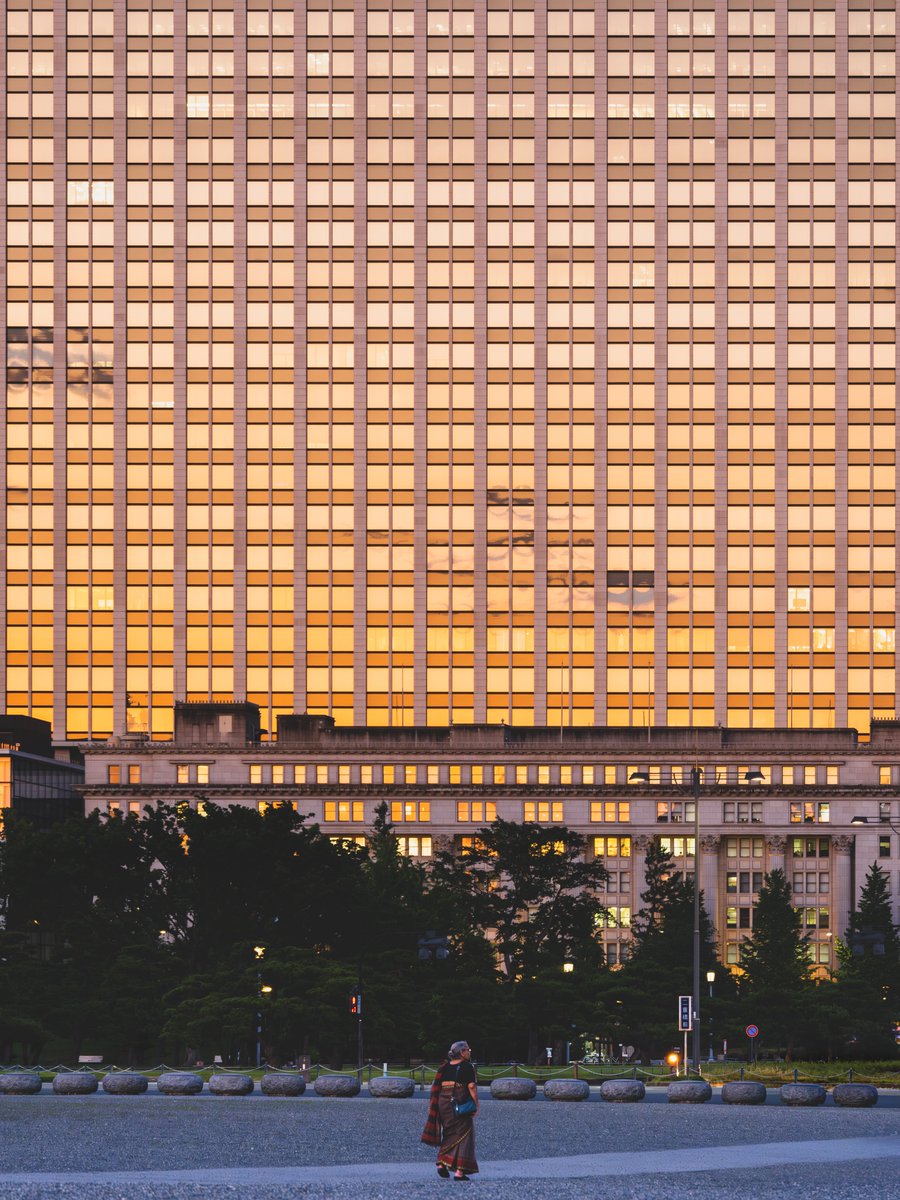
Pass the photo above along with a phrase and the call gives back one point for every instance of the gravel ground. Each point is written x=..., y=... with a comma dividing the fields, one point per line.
x=154, y=1133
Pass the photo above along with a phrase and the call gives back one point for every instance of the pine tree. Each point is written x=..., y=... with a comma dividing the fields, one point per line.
x=869, y=968
x=644, y=994
x=776, y=981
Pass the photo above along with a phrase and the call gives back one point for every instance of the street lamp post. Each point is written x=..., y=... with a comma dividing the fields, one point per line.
x=695, y=1004
x=711, y=979
x=259, y=953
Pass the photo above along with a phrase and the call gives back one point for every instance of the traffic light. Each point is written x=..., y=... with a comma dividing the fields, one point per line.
x=356, y=1004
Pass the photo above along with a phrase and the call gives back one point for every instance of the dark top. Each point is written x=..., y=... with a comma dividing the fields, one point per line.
x=461, y=1072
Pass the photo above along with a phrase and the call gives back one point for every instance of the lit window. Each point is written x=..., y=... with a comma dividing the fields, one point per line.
x=203, y=772
x=256, y=773
x=611, y=810
x=277, y=774
x=182, y=774
x=114, y=774
x=433, y=774
x=344, y=810
x=134, y=773
x=543, y=810
x=884, y=776
x=409, y=810
x=414, y=847
x=476, y=810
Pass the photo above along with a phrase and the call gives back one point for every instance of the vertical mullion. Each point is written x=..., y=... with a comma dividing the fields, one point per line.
x=239, y=482
x=120, y=370
x=179, y=414
x=300, y=356
x=601, y=363
x=540, y=362
x=60, y=259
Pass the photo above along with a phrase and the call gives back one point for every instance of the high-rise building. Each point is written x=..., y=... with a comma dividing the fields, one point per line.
x=429, y=362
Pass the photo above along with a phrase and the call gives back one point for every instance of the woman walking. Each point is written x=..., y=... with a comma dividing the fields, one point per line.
x=453, y=1105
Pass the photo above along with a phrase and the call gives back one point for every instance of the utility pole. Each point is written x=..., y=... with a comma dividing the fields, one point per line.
x=695, y=1002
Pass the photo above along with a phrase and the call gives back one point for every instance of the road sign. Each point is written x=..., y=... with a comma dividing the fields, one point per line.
x=752, y=1031
x=685, y=1011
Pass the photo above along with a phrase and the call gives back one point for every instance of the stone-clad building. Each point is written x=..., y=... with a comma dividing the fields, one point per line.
x=822, y=804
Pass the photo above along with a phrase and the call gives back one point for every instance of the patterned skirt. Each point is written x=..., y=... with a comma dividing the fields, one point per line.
x=457, y=1149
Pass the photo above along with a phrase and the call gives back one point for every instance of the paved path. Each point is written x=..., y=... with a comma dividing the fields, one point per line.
x=158, y=1148
x=581, y=1166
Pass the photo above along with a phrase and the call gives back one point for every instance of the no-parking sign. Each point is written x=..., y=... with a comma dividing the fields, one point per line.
x=752, y=1031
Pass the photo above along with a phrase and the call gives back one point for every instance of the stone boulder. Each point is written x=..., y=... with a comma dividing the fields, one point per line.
x=855, y=1095
x=125, y=1083
x=513, y=1088
x=392, y=1087
x=230, y=1085
x=743, y=1091
x=20, y=1083
x=337, y=1085
x=282, y=1085
x=566, y=1089
x=622, y=1091
x=179, y=1083
x=688, y=1091
x=802, y=1095
x=74, y=1083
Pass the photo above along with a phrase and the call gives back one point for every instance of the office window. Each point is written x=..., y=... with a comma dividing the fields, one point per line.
x=182, y=774
x=416, y=846
x=476, y=810
x=134, y=773
x=742, y=812
x=808, y=812
x=344, y=810
x=885, y=776
x=543, y=811
x=832, y=775
x=884, y=845
x=409, y=810
x=433, y=773
x=202, y=772
x=678, y=847
x=674, y=811
x=113, y=774
x=744, y=847
x=256, y=773
x=611, y=811
x=612, y=847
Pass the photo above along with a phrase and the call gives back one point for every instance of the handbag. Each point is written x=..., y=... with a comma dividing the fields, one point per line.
x=464, y=1108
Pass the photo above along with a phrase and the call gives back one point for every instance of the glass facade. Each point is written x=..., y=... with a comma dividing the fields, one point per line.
x=422, y=362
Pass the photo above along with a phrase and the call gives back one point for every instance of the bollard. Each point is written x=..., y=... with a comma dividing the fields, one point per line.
x=576, y=1070
x=795, y=1074
x=742, y=1074
x=851, y=1075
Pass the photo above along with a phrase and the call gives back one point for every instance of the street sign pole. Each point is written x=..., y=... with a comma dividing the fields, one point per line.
x=752, y=1034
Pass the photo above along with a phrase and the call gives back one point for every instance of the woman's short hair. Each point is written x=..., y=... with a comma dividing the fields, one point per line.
x=457, y=1048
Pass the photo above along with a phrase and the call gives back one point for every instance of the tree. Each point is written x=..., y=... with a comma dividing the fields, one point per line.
x=776, y=986
x=868, y=978
x=530, y=889
x=644, y=994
